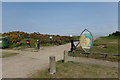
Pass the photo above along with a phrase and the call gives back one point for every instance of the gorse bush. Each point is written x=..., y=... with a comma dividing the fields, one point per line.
x=44, y=38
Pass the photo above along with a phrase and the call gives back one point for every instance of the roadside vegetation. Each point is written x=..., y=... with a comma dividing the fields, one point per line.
x=33, y=37
x=79, y=70
x=4, y=55
x=96, y=56
x=108, y=44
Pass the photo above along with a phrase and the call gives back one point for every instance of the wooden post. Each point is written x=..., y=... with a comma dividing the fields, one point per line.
x=52, y=65
x=106, y=55
x=65, y=56
x=72, y=45
x=38, y=44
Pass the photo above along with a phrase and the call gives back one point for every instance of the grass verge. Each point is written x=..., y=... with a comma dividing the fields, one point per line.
x=105, y=45
x=101, y=45
x=4, y=55
x=96, y=56
x=79, y=70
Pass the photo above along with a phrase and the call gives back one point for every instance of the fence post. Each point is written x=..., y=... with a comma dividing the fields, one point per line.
x=52, y=65
x=38, y=44
x=106, y=55
x=65, y=56
x=72, y=44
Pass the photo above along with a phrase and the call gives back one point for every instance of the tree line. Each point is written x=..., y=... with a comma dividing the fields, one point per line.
x=117, y=33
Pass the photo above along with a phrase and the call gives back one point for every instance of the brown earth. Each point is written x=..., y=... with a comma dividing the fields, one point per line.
x=26, y=63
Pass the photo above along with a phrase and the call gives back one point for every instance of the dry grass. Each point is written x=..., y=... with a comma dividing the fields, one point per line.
x=79, y=70
x=101, y=45
x=4, y=55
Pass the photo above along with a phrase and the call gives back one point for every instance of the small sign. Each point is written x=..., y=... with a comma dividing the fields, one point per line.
x=19, y=35
x=86, y=40
x=0, y=41
x=18, y=42
x=28, y=41
x=70, y=35
x=50, y=37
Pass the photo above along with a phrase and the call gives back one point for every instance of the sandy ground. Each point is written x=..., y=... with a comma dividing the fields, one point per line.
x=94, y=61
x=27, y=63
x=0, y=68
x=0, y=65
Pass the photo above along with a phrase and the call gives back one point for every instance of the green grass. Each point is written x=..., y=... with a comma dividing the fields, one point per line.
x=110, y=46
x=4, y=55
x=24, y=44
x=95, y=56
x=34, y=43
x=47, y=44
x=78, y=70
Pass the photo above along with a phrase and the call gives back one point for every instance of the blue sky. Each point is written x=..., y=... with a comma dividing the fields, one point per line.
x=0, y=16
x=62, y=18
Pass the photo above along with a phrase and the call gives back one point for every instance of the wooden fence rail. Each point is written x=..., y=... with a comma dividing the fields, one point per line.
x=88, y=60
x=112, y=54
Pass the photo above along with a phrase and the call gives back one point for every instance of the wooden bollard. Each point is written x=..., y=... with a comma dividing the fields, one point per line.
x=52, y=65
x=72, y=45
x=106, y=55
x=65, y=56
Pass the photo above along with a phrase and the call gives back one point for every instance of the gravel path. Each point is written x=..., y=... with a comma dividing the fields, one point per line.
x=27, y=63
x=94, y=61
x=0, y=68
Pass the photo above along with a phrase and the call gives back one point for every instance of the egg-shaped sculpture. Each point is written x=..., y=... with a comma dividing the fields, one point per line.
x=86, y=40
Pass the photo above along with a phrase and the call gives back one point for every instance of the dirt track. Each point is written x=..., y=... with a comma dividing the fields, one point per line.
x=22, y=65
x=27, y=63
